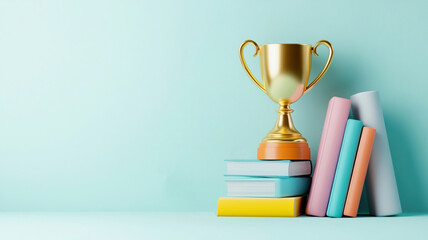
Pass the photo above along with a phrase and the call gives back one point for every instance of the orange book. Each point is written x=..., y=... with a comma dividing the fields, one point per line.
x=359, y=173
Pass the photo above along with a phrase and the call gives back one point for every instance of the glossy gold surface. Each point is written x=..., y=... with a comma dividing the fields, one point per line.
x=285, y=72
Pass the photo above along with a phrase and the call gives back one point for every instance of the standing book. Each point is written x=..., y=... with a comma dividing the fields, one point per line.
x=381, y=184
x=345, y=164
x=359, y=172
x=328, y=153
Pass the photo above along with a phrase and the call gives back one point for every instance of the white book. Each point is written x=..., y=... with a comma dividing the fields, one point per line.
x=279, y=168
x=382, y=191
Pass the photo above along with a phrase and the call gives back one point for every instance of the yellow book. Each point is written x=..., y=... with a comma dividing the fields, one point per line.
x=260, y=207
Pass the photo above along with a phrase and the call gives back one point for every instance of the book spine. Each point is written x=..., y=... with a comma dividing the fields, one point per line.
x=259, y=207
x=284, y=186
x=344, y=168
x=359, y=173
x=292, y=186
x=381, y=184
x=328, y=153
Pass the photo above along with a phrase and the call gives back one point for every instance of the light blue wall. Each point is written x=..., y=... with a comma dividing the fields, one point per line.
x=133, y=105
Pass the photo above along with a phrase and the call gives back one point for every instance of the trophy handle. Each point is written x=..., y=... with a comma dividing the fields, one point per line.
x=330, y=56
x=244, y=64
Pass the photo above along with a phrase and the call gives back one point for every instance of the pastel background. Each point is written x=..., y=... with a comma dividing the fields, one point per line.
x=133, y=105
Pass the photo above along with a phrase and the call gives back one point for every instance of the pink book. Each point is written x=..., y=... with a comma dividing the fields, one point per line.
x=328, y=153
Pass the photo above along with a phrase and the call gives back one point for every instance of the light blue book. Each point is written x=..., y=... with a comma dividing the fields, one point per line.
x=267, y=186
x=259, y=168
x=345, y=164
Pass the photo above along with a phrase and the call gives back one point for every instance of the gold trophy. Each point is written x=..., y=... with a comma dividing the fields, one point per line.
x=285, y=72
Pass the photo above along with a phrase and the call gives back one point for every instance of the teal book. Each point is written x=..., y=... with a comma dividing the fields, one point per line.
x=268, y=187
x=259, y=168
x=344, y=168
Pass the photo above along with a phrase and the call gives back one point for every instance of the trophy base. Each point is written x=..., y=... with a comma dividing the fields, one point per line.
x=283, y=151
x=284, y=130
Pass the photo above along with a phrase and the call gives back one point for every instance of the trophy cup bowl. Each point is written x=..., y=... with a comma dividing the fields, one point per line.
x=285, y=70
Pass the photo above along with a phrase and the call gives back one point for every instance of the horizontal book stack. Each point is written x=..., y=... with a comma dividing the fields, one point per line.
x=260, y=188
x=342, y=162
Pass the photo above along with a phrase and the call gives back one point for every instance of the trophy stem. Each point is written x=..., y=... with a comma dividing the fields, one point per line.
x=284, y=130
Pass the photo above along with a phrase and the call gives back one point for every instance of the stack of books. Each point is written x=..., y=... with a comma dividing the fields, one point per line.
x=265, y=188
x=342, y=162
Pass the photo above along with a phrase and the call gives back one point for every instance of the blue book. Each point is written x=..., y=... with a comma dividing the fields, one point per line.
x=259, y=168
x=269, y=187
x=344, y=168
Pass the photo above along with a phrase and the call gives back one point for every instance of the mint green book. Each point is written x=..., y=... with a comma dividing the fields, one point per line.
x=269, y=187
